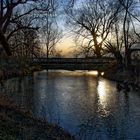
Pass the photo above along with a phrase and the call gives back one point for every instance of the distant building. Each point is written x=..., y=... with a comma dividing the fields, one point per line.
x=135, y=54
x=135, y=51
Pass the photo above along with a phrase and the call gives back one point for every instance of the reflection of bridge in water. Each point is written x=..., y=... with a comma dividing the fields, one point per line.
x=73, y=63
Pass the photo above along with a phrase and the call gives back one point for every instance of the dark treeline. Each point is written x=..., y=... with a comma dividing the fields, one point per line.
x=30, y=28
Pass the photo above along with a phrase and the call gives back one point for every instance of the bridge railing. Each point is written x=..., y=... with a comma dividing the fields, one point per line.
x=72, y=60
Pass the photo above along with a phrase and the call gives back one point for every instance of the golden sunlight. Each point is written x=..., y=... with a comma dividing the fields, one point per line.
x=66, y=46
x=102, y=73
x=99, y=39
x=103, y=100
x=92, y=73
x=101, y=91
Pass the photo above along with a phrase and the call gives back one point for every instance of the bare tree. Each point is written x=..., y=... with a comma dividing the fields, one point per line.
x=93, y=20
x=23, y=39
x=25, y=44
x=124, y=33
x=129, y=17
x=50, y=35
x=114, y=44
x=9, y=16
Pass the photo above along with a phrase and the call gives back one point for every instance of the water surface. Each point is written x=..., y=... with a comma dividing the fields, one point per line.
x=84, y=104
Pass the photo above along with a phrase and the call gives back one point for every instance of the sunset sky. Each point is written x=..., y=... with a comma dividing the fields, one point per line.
x=66, y=45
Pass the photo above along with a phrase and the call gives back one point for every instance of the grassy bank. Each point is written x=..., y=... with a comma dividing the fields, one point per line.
x=16, y=124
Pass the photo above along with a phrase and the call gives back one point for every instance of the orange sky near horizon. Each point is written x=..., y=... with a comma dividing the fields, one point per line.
x=66, y=45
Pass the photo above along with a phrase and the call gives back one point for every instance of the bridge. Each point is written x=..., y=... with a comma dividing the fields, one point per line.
x=73, y=63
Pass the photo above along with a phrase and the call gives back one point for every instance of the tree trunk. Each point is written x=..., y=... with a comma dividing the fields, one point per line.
x=96, y=45
x=5, y=44
x=125, y=34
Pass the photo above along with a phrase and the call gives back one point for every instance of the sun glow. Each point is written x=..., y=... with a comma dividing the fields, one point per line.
x=102, y=73
x=92, y=73
x=99, y=39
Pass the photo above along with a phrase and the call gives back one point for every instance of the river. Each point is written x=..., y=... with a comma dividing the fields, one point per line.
x=84, y=104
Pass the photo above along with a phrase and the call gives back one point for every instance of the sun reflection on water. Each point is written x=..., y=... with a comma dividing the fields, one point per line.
x=92, y=73
x=102, y=73
x=102, y=99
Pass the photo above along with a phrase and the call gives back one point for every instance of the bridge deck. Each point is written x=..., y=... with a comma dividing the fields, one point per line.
x=73, y=63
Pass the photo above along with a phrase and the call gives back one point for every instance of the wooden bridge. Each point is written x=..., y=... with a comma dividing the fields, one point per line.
x=73, y=63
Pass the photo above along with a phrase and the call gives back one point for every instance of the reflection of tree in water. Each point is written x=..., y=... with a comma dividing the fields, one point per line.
x=98, y=128
x=104, y=124
x=20, y=90
x=124, y=122
x=88, y=129
x=19, y=85
x=110, y=125
x=27, y=93
x=117, y=124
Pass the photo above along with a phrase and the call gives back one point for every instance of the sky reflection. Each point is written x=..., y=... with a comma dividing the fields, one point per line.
x=86, y=105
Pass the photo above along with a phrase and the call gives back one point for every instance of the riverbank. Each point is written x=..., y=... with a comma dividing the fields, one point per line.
x=125, y=76
x=14, y=72
x=16, y=124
